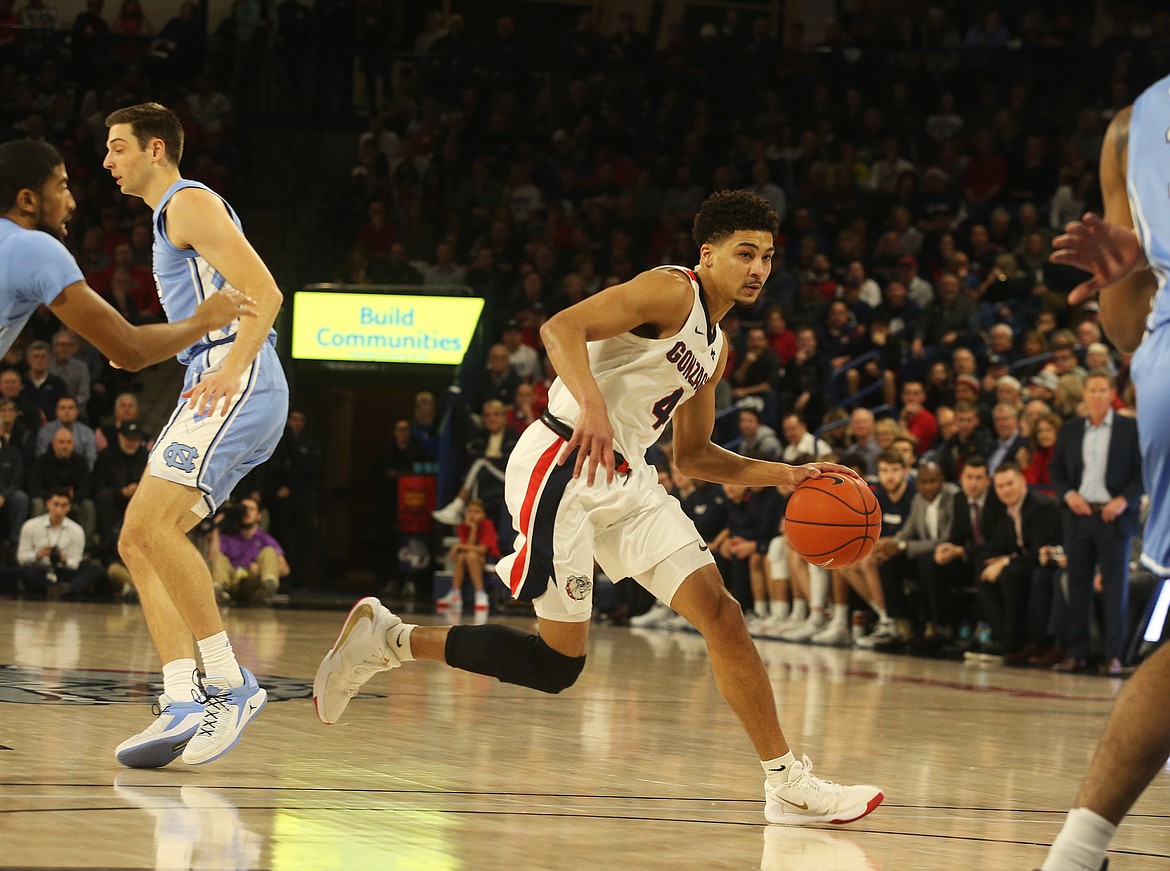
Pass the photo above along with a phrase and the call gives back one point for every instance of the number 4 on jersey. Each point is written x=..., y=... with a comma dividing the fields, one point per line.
x=664, y=407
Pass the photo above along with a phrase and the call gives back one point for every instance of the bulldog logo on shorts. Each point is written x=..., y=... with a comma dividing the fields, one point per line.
x=578, y=587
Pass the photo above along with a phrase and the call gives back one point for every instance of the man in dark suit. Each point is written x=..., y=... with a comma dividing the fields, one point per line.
x=976, y=511
x=1097, y=472
x=1005, y=419
x=1011, y=557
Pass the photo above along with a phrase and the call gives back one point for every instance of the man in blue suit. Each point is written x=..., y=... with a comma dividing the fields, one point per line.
x=1097, y=473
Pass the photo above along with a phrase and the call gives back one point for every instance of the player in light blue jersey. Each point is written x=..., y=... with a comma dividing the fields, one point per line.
x=1128, y=254
x=228, y=420
x=37, y=269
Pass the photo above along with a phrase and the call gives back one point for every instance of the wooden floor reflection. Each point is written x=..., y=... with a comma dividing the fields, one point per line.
x=640, y=765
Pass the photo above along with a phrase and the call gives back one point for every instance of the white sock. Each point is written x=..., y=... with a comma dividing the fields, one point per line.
x=841, y=614
x=780, y=610
x=882, y=616
x=1081, y=844
x=800, y=610
x=179, y=679
x=399, y=640
x=219, y=662
x=760, y=607
x=776, y=770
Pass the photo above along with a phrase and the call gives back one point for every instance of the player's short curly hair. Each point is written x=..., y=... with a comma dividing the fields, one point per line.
x=726, y=212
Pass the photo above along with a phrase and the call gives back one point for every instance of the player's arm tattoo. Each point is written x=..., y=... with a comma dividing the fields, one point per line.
x=1121, y=138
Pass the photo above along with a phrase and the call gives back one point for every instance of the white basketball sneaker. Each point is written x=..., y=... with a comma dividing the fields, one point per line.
x=163, y=741
x=806, y=799
x=360, y=652
x=228, y=710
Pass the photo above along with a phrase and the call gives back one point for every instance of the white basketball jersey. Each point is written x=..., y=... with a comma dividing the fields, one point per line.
x=644, y=380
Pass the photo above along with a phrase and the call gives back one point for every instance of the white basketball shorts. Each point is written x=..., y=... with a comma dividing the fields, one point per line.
x=628, y=526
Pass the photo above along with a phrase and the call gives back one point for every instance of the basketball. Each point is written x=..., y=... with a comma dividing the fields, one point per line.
x=832, y=521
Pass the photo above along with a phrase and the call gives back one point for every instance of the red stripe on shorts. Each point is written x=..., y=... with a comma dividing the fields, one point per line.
x=535, y=482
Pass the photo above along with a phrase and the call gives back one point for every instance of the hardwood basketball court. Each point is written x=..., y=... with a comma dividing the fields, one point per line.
x=640, y=765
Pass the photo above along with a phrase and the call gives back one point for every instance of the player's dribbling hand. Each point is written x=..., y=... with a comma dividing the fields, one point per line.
x=801, y=474
x=593, y=441
x=1109, y=251
x=224, y=306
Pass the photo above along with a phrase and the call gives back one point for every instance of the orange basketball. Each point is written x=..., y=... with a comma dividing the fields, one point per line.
x=832, y=521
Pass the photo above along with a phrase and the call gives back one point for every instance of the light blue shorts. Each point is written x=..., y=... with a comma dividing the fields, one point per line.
x=1150, y=365
x=213, y=453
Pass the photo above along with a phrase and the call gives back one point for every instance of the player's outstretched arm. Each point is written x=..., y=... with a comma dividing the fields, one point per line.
x=1110, y=249
x=698, y=457
x=198, y=219
x=659, y=301
x=135, y=347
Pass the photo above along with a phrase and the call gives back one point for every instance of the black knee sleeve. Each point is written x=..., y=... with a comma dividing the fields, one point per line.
x=512, y=656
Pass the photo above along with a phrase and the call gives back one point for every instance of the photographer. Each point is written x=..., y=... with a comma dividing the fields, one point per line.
x=51, y=547
x=246, y=562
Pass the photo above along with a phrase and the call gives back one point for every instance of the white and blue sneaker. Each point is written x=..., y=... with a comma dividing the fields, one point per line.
x=162, y=741
x=227, y=711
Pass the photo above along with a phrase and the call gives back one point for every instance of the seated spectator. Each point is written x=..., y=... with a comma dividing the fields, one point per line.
x=115, y=478
x=523, y=358
x=757, y=440
x=523, y=412
x=909, y=555
x=445, y=270
x=863, y=449
x=61, y=467
x=781, y=339
x=466, y=559
x=65, y=417
x=50, y=551
x=67, y=366
x=14, y=431
x=1040, y=449
x=487, y=455
x=800, y=440
x=754, y=371
x=125, y=411
x=499, y=380
x=939, y=385
x=1008, y=438
x=246, y=562
x=804, y=380
x=918, y=420
x=42, y=387
x=753, y=514
x=969, y=438
x=13, y=498
x=1011, y=557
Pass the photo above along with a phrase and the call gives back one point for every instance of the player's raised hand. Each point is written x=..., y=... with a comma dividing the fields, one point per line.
x=593, y=441
x=1109, y=251
x=224, y=306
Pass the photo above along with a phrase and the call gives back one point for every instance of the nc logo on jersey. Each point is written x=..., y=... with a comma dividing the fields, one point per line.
x=181, y=457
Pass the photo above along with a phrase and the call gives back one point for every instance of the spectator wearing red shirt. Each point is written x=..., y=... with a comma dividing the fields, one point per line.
x=781, y=339
x=916, y=417
x=477, y=544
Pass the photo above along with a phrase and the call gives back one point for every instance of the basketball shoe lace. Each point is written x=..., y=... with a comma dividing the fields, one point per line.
x=215, y=699
x=824, y=792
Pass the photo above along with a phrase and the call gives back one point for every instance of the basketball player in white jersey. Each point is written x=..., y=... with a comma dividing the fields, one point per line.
x=228, y=420
x=1129, y=271
x=629, y=359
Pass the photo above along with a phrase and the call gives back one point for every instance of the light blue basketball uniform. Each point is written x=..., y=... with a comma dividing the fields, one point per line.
x=34, y=269
x=212, y=453
x=1148, y=181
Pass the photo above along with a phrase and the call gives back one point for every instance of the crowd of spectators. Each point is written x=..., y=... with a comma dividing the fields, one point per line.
x=920, y=166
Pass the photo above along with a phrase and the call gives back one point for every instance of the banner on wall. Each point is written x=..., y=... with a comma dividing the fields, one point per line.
x=381, y=328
